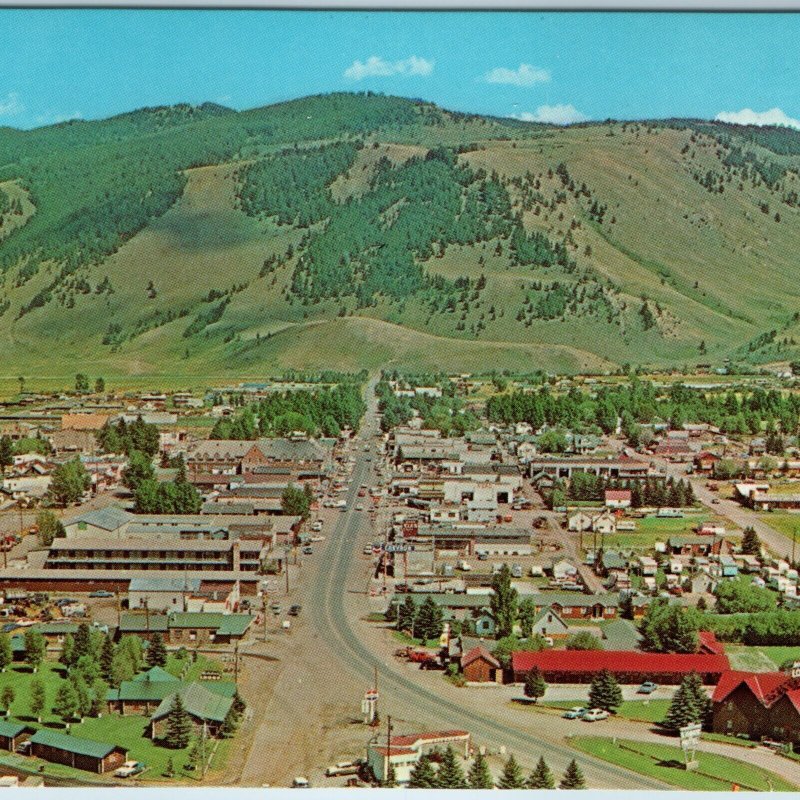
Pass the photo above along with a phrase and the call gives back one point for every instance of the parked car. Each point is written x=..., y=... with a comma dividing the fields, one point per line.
x=295, y=609
x=308, y=550
x=128, y=769
x=648, y=687
x=595, y=715
x=301, y=783
x=576, y=712
x=367, y=551
x=101, y=593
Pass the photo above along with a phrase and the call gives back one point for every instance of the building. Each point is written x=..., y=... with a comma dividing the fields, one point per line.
x=480, y=666
x=193, y=628
x=158, y=554
x=549, y=624
x=623, y=468
x=12, y=734
x=84, y=421
x=144, y=693
x=74, y=751
x=758, y=705
x=206, y=707
x=618, y=498
x=575, y=666
x=403, y=752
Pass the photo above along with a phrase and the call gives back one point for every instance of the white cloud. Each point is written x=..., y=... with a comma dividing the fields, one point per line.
x=749, y=117
x=524, y=75
x=376, y=67
x=565, y=114
x=10, y=105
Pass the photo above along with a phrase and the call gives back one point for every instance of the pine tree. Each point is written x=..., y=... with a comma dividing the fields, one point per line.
x=83, y=641
x=512, y=777
x=406, y=613
x=156, y=651
x=503, y=602
x=450, y=775
x=535, y=685
x=690, y=704
x=169, y=768
x=479, y=776
x=751, y=544
x=179, y=724
x=229, y=723
x=541, y=777
x=573, y=777
x=239, y=704
x=66, y=701
x=429, y=622
x=605, y=692
x=6, y=656
x=422, y=776
x=107, y=658
x=67, y=657
x=34, y=649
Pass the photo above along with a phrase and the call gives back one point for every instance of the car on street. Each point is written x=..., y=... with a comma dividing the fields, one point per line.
x=128, y=769
x=276, y=608
x=367, y=550
x=301, y=783
x=308, y=550
x=360, y=507
x=101, y=593
x=648, y=687
x=295, y=609
x=576, y=712
x=595, y=715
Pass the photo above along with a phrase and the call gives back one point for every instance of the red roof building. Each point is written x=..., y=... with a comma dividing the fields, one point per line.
x=759, y=705
x=618, y=498
x=580, y=666
x=480, y=666
x=707, y=642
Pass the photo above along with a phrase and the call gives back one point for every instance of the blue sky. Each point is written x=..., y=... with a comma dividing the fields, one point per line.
x=560, y=67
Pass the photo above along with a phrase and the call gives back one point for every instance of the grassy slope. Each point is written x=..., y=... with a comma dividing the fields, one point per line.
x=669, y=233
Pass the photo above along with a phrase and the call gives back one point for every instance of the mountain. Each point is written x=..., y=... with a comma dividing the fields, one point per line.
x=355, y=230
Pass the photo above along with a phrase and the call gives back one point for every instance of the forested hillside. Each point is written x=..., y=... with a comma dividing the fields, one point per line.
x=349, y=231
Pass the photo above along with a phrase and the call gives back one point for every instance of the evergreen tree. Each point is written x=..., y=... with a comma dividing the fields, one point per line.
x=6, y=656
x=450, y=775
x=751, y=544
x=626, y=606
x=535, y=685
x=67, y=656
x=169, y=768
x=156, y=651
x=429, y=621
x=239, y=704
x=511, y=777
x=479, y=776
x=541, y=777
x=605, y=692
x=107, y=658
x=503, y=602
x=527, y=615
x=179, y=724
x=406, y=613
x=422, y=776
x=229, y=723
x=99, y=691
x=66, y=701
x=35, y=647
x=84, y=646
x=690, y=704
x=573, y=777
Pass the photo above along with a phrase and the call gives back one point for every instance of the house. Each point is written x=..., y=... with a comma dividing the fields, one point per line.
x=579, y=521
x=697, y=546
x=480, y=666
x=705, y=461
x=563, y=570
x=206, y=707
x=12, y=734
x=74, y=751
x=484, y=623
x=758, y=705
x=548, y=623
x=574, y=666
x=192, y=628
x=144, y=693
x=403, y=752
x=604, y=523
x=618, y=498
x=647, y=566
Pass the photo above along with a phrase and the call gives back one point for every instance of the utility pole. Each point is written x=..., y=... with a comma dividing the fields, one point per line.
x=388, y=747
x=236, y=662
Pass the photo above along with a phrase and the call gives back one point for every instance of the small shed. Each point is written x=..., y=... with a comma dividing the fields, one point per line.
x=480, y=666
x=12, y=734
x=86, y=754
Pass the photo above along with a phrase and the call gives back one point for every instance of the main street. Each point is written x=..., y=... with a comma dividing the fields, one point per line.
x=306, y=702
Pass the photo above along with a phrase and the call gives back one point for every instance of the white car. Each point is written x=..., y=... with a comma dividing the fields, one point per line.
x=595, y=715
x=128, y=769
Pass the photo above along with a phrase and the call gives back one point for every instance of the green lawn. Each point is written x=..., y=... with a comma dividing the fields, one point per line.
x=176, y=665
x=128, y=731
x=665, y=763
x=783, y=522
x=637, y=710
x=757, y=659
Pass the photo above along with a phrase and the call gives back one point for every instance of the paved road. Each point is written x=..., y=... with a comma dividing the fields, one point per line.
x=743, y=517
x=331, y=616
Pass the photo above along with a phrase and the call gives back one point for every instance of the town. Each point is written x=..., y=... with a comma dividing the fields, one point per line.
x=423, y=580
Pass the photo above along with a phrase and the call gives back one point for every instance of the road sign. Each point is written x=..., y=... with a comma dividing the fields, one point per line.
x=690, y=736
